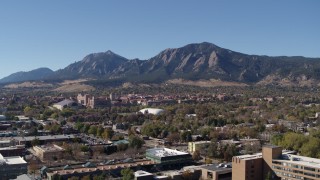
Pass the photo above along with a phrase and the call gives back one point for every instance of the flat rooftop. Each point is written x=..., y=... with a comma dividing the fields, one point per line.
x=201, y=142
x=12, y=147
x=218, y=167
x=103, y=167
x=142, y=173
x=12, y=160
x=5, y=142
x=300, y=160
x=43, y=138
x=165, y=152
x=271, y=146
x=249, y=156
x=50, y=148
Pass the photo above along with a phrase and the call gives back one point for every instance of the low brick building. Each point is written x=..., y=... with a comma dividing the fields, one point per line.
x=49, y=152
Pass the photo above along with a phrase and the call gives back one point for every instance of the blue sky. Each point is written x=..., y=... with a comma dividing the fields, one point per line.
x=38, y=33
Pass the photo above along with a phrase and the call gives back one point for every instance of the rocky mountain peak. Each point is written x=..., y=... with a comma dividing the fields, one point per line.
x=195, y=61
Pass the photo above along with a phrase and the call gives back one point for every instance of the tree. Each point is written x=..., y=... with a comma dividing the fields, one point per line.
x=311, y=148
x=96, y=177
x=127, y=174
x=173, y=137
x=54, y=128
x=28, y=111
x=122, y=147
x=212, y=150
x=56, y=177
x=40, y=127
x=67, y=112
x=79, y=126
x=97, y=151
x=33, y=131
x=293, y=141
x=63, y=122
x=100, y=130
x=93, y=130
x=35, y=142
x=33, y=166
x=196, y=155
x=85, y=128
x=208, y=161
x=73, y=178
x=187, y=175
x=186, y=136
x=67, y=148
x=135, y=142
x=230, y=151
x=276, y=139
x=107, y=133
x=86, y=177
x=84, y=148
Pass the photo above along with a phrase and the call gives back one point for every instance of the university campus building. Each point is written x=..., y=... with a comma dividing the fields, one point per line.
x=275, y=163
x=197, y=146
x=165, y=157
x=49, y=152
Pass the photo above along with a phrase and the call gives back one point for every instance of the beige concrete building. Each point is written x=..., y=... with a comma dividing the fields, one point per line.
x=247, y=167
x=196, y=146
x=217, y=172
x=48, y=152
x=91, y=101
x=277, y=164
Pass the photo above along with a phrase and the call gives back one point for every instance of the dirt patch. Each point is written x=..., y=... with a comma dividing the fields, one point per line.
x=205, y=83
x=76, y=87
x=300, y=81
x=28, y=85
x=77, y=81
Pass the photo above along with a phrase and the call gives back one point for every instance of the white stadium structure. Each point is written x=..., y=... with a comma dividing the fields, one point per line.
x=153, y=111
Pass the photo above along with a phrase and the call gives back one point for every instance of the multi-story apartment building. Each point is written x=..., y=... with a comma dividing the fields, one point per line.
x=296, y=167
x=275, y=163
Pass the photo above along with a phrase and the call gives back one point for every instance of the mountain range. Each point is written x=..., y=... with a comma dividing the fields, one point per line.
x=37, y=74
x=201, y=61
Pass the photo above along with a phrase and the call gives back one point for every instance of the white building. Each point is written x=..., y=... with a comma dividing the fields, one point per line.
x=11, y=167
x=153, y=111
x=166, y=156
x=142, y=175
x=2, y=117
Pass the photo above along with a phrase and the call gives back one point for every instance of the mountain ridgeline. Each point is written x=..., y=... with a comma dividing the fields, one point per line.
x=193, y=62
x=37, y=74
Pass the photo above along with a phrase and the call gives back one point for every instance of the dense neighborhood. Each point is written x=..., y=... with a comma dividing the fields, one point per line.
x=196, y=133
